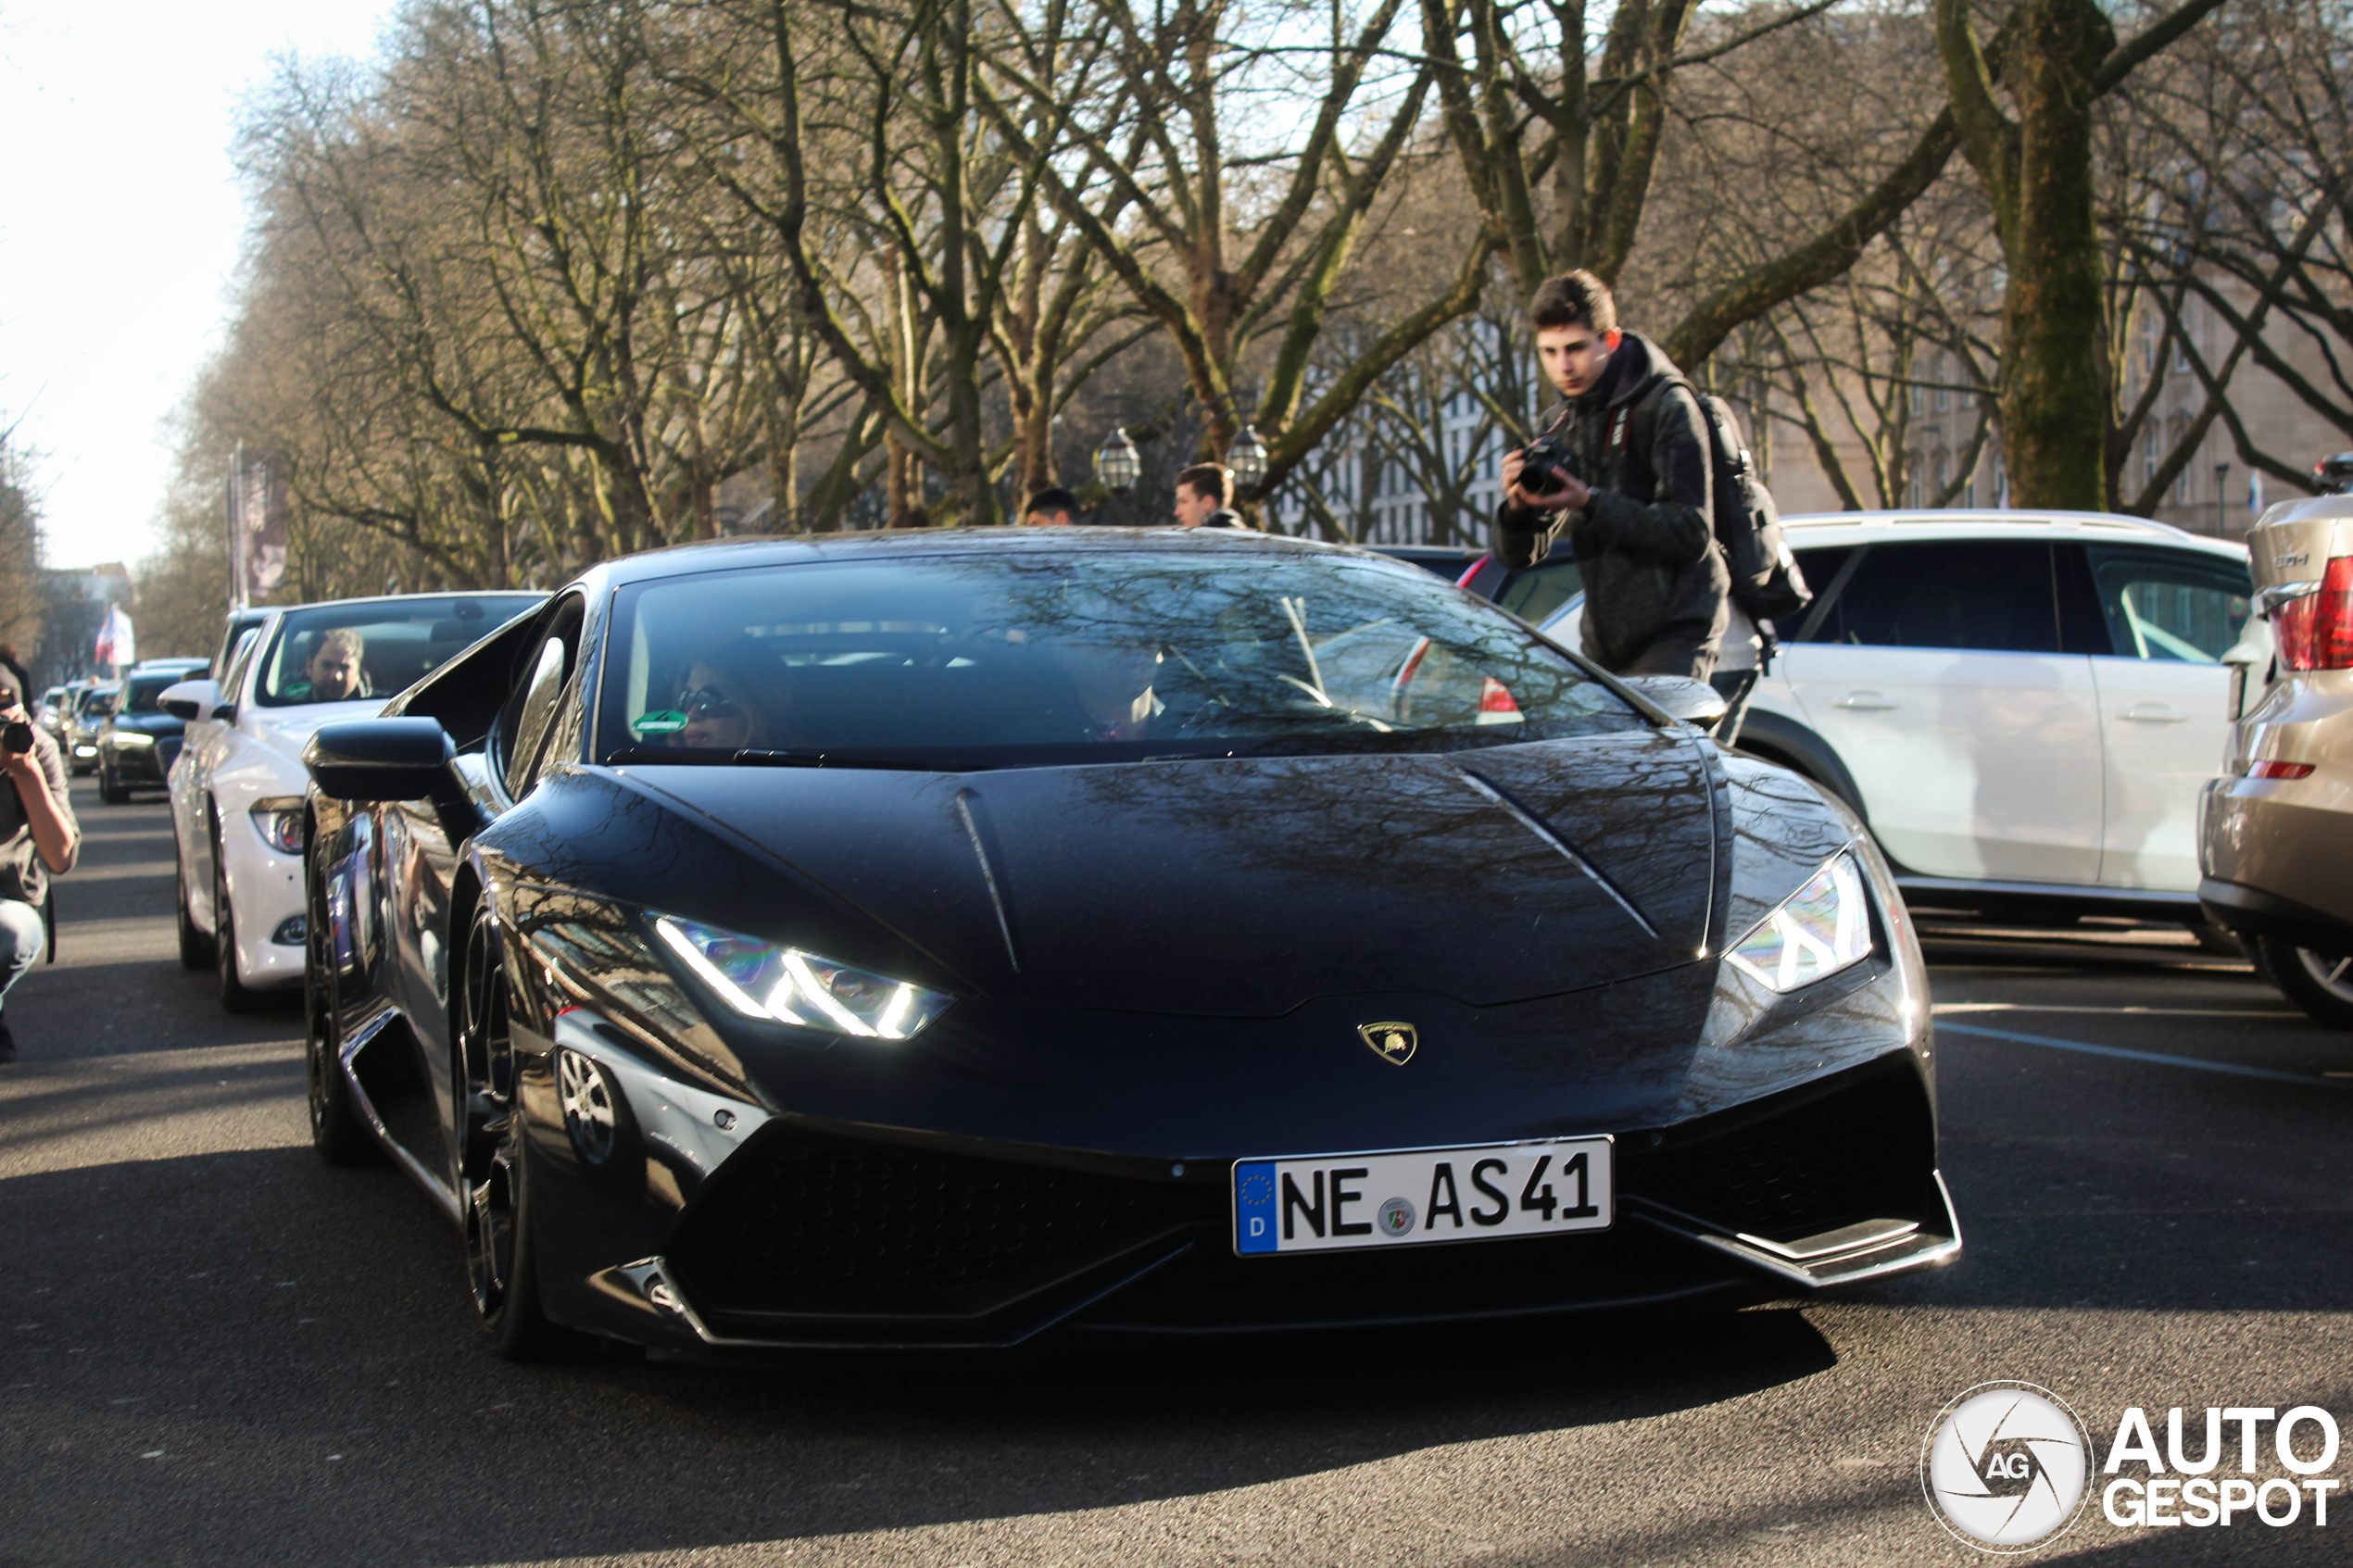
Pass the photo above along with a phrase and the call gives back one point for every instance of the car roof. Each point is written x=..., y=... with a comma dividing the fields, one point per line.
x=1854, y=528
x=373, y=599
x=744, y=555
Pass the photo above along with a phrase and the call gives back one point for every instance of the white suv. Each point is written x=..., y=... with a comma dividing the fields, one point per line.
x=2024, y=705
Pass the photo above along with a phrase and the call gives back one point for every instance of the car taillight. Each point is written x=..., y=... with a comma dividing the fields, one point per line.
x=2280, y=771
x=2315, y=631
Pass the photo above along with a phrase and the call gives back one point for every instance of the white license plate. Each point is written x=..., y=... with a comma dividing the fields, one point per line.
x=1338, y=1200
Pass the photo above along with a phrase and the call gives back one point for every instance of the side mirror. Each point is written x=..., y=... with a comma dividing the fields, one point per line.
x=190, y=701
x=372, y=761
x=1678, y=697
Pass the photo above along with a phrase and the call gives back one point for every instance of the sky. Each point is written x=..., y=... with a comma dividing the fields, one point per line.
x=121, y=225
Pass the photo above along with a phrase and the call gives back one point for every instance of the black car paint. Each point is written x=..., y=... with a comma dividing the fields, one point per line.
x=1184, y=951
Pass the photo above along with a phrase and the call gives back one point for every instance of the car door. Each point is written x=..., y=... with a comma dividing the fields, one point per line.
x=205, y=742
x=2170, y=615
x=1934, y=669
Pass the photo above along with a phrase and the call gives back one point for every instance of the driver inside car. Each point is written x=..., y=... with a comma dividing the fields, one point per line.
x=336, y=672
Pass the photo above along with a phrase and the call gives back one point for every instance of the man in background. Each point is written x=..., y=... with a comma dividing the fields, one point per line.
x=1053, y=508
x=1205, y=497
x=1640, y=518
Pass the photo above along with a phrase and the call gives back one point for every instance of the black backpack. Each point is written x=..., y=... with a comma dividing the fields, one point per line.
x=1767, y=583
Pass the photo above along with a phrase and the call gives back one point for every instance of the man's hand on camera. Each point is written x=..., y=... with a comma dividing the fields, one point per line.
x=1574, y=495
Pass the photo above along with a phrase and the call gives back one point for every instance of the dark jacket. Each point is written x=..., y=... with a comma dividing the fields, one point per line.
x=1223, y=516
x=1654, y=581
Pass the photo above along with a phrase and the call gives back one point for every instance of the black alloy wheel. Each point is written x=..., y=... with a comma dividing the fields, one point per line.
x=337, y=1130
x=195, y=947
x=235, y=995
x=2322, y=983
x=494, y=1154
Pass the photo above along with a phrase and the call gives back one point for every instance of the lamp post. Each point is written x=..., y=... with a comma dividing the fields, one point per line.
x=2222, y=483
x=1116, y=462
x=1246, y=460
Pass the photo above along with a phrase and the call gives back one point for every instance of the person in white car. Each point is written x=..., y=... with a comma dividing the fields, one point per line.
x=335, y=670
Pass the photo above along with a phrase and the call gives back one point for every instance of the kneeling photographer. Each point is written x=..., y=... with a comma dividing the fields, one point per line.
x=1625, y=473
x=38, y=838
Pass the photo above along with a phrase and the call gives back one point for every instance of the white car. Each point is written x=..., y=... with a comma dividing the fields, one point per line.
x=237, y=787
x=2024, y=705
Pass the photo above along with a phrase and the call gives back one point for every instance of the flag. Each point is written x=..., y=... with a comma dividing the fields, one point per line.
x=2254, y=491
x=116, y=645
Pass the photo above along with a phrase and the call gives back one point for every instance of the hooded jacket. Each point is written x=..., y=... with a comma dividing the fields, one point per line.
x=1646, y=545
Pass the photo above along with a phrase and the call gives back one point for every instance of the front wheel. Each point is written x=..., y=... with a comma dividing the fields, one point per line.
x=111, y=789
x=2322, y=983
x=499, y=1262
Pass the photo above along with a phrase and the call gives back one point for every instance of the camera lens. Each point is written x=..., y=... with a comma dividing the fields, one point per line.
x=16, y=736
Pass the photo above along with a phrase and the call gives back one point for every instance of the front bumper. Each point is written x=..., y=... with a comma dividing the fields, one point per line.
x=142, y=764
x=719, y=1228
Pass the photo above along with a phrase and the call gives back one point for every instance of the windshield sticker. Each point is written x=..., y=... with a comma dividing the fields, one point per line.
x=661, y=724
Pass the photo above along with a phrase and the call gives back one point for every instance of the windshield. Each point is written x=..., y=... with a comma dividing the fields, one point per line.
x=978, y=660
x=144, y=689
x=97, y=700
x=342, y=653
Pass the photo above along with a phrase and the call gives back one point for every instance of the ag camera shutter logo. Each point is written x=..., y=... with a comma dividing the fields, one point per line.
x=2006, y=1466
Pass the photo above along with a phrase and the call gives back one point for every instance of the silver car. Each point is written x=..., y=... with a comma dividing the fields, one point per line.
x=2277, y=829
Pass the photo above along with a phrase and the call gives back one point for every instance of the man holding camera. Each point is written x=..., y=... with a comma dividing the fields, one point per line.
x=1625, y=474
x=38, y=838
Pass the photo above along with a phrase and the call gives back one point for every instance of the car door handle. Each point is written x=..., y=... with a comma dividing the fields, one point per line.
x=2154, y=713
x=1871, y=701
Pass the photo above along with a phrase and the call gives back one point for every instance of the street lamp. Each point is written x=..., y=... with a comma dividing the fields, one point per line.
x=1116, y=464
x=1246, y=460
x=2221, y=481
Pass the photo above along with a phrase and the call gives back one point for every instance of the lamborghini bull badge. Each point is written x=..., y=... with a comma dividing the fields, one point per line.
x=1392, y=1043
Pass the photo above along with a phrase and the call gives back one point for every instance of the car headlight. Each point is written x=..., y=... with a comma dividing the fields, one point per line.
x=278, y=819
x=790, y=985
x=1818, y=930
x=133, y=737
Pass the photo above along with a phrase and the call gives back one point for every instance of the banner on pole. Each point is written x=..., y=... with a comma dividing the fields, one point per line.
x=116, y=645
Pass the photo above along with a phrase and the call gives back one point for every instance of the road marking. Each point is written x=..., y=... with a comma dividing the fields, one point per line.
x=2136, y=1011
x=2159, y=1058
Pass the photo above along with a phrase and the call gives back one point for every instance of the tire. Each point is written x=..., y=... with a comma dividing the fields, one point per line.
x=195, y=947
x=236, y=996
x=337, y=1133
x=112, y=790
x=494, y=1159
x=2322, y=983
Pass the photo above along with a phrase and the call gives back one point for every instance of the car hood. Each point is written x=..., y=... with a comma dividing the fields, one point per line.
x=1244, y=887
x=287, y=730
x=149, y=723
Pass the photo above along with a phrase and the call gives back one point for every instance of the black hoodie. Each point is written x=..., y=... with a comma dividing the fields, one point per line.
x=1646, y=547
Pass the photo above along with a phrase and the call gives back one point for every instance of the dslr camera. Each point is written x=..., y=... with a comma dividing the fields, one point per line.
x=1546, y=464
x=16, y=736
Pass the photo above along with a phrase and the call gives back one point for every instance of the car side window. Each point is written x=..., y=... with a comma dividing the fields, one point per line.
x=532, y=712
x=2171, y=604
x=1988, y=595
x=237, y=662
x=1535, y=592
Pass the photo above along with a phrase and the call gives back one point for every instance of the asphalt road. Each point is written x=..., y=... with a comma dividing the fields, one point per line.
x=217, y=1350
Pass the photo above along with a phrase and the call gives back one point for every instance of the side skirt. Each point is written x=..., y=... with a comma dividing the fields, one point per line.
x=392, y=1092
